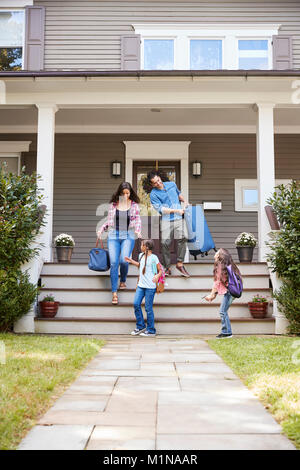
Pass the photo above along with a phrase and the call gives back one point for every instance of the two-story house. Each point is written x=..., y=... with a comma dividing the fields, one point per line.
x=85, y=84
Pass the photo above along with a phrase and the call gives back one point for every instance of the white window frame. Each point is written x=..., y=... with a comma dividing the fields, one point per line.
x=13, y=155
x=241, y=184
x=23, y=43
x=261, y=38
x=228, y=33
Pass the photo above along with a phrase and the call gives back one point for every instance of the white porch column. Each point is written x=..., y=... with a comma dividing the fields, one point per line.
x=265, y=170
x=45, y=168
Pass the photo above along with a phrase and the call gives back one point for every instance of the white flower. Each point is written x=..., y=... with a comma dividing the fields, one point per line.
x=245, y=239
x=64, y=239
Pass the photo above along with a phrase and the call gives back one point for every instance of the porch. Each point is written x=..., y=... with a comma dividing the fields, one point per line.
x=240, y=128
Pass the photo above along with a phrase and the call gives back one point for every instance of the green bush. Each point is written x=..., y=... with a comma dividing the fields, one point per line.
x=20, y=221
x=284, y=254
x=17, y=294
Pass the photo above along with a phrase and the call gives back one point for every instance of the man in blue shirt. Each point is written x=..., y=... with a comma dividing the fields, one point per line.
x=166, y=199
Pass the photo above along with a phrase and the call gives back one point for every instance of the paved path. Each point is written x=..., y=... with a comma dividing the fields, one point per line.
x=156, y=394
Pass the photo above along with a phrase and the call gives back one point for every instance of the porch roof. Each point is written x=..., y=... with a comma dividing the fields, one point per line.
x=152, y=73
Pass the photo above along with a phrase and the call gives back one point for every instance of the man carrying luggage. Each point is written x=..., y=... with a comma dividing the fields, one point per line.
x=166, y=199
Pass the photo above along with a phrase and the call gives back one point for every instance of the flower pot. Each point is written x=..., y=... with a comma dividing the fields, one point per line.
x=245, y=253
x=64, y=253
x=258, y=309
x=48, y=309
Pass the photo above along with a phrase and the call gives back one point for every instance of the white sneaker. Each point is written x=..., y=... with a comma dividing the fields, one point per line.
x=137, y=332
x=147, y=333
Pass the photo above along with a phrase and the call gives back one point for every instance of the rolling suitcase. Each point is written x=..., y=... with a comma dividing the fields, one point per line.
x=199, y=237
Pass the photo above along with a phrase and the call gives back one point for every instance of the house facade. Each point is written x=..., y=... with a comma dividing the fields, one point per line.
x=150, y=83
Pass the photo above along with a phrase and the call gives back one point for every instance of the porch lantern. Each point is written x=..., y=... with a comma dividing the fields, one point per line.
x=116, y=169
x=196, y=169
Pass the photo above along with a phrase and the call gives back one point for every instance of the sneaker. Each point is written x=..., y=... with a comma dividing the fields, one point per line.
x=137, y=332
x=223, y=335
x=147, y=333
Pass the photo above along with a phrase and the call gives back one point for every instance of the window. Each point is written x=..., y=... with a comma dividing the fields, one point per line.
x=158, y=54
x=253, y=54
x=13, y=162
x=11, y=40
x=206, y=47
x=205, y=54
x=246, y=194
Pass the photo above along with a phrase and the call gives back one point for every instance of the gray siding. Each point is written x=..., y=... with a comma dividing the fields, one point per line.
x=82, y=178
x=85, y=35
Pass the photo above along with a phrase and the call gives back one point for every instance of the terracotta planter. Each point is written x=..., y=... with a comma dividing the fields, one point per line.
x=64, y=253
x=48, y=309
x=258, y=309
x=245, y=253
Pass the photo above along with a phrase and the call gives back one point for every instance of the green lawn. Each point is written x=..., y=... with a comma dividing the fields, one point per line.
x=34, y=371
x=270, y=367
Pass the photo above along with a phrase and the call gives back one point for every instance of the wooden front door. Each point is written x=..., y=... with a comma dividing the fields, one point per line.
x=150, y=218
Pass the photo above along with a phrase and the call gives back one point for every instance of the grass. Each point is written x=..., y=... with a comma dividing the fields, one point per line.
x=34, y=371
x=270, y=367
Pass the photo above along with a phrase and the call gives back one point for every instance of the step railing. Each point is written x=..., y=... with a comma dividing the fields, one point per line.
x=281, y=323
x=34, y=268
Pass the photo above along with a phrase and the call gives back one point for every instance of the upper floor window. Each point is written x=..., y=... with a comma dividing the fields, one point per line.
x=12, y=25
x=206, y=47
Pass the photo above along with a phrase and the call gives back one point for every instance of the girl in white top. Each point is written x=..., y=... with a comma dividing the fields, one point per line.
x=148, y=265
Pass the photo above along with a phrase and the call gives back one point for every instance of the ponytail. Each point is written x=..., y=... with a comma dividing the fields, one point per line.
x=149, y=244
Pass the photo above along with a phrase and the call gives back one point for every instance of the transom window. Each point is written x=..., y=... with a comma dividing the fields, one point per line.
x=11, y=39
x=206, y=47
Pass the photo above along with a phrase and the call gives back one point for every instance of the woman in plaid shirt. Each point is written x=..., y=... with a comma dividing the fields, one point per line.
x=123, y=225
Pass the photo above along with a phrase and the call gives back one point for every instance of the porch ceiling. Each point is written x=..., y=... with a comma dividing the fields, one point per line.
x=158, y=120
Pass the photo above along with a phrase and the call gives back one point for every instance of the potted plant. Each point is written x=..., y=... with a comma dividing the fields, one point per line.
x=48, y=306
x=245, y=244
x=258, y=306
x=64, y=245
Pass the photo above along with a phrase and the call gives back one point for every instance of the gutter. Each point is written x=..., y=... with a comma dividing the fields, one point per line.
x=154, y=73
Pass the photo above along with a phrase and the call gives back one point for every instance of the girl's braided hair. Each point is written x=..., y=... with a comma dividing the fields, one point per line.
x=149, y=244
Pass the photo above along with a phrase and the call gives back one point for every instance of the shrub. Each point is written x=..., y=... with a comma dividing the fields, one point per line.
x=20, y=222
x=16, y=297
x=284, y=254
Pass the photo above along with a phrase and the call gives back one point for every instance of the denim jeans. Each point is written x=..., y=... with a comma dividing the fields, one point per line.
x=119, y=244
x=227, y=301
x=149, y=294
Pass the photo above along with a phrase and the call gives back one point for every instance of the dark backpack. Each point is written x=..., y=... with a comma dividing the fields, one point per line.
x=235, y=283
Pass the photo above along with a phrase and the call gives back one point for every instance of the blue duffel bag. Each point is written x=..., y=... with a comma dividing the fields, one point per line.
x=199, y=237
x=99, y=258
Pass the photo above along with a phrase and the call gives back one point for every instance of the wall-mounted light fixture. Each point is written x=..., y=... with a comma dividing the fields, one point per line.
x=196, y=169
x=116, y=169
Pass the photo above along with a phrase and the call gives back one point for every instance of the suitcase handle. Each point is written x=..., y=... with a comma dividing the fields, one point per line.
x=101, y=243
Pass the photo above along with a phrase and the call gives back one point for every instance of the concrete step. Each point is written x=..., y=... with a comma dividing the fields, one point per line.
x=170, y=296
x=125, y=325
x=102, y=281
x=165, y=311
x=196, y=268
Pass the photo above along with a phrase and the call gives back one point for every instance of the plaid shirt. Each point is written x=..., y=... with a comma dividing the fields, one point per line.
x=134, y=214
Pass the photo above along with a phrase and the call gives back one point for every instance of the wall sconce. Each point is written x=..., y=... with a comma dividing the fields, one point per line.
x=196, y=169
x=116, y=169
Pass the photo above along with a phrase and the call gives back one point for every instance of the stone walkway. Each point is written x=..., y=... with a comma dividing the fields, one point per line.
x=163, y=393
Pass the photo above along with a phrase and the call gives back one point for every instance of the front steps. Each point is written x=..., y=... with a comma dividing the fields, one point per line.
x=86, y=307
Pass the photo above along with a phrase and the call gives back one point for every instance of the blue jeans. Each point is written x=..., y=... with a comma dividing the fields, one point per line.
x=227, y=301
x=149, y=294
x=119, y=244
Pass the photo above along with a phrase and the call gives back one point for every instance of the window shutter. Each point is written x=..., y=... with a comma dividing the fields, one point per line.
x=34, y=38
x=282, y=52
x=130, y=51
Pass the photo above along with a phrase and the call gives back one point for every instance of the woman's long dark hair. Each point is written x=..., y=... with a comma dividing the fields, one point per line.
x=147, y=185
x=149, y=244
x=133, y=196
x=220, y=271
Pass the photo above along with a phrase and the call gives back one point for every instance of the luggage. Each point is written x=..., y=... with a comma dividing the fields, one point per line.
x=200, y=240
x=99, y=259
x=235, y=283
